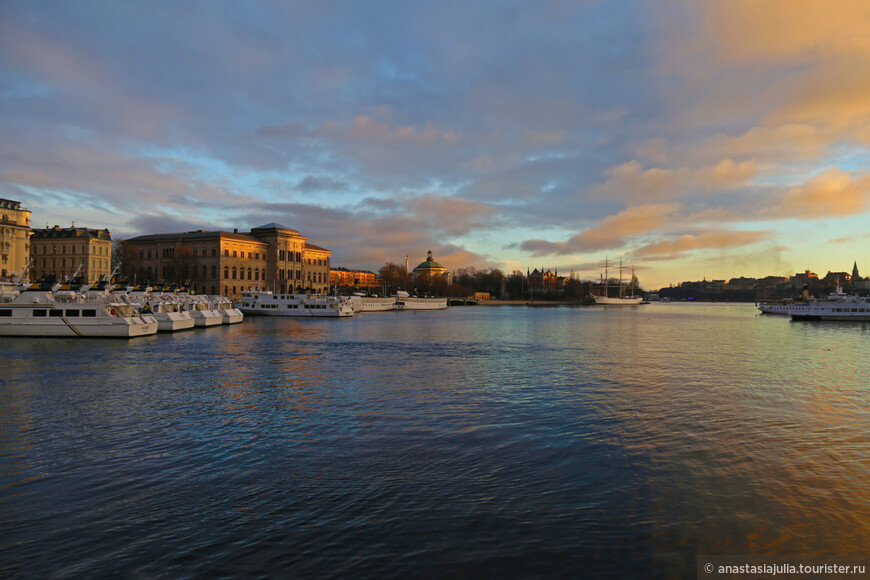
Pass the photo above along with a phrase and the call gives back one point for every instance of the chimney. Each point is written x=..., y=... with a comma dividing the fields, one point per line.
x=235, y=230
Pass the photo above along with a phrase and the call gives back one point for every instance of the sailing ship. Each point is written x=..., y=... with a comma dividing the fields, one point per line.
x=622, y=299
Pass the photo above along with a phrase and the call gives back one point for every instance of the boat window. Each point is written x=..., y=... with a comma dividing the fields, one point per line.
x=89, y=313
x=55, y=313
x=72, y=313
x=5, y=312
x=39, y=313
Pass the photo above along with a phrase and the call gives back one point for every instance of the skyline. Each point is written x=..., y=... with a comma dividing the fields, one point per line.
x=697, y=140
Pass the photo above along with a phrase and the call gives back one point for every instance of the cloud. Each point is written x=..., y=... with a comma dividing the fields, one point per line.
x=611, y=232
x=832, y=194
x=710, y=240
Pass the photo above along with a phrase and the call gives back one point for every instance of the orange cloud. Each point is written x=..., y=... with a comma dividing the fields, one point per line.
x=716, y=240
x=832, y=194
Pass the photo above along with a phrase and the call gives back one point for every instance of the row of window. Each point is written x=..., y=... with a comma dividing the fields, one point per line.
x=293, y=306
x=95, y=263
x=47, y=313
x=95, y=250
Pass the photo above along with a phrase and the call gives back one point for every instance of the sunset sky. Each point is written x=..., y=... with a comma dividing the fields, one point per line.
x=695, y=139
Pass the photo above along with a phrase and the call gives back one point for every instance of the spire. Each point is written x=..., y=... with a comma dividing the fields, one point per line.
x=855, y=275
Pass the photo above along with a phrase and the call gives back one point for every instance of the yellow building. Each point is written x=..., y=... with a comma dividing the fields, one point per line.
x=271, y=257
x=14, y=239
x=342, y=277
x=65, y=251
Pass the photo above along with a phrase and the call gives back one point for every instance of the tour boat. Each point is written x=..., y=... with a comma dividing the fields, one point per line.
x=363, y=303
x=407, y=302
x=265, y=303
x=836, y=308
x=37, y=312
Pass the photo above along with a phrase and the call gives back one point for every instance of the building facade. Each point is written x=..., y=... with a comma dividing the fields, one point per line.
x=14, y=239
x=342, y=277
x=63, y=252
x=271, y=257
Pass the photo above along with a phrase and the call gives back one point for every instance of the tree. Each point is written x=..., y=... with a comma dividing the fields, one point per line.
x=395, y=277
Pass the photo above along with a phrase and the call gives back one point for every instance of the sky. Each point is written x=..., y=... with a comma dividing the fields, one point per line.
x=690, y=139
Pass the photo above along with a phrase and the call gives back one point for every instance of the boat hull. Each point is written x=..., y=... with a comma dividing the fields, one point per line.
x=626, y=301
x=421, y=303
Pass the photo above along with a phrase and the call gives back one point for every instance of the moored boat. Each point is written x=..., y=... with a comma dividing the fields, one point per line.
x=37, y=312
x=265, y=303
x=363, y=303
x=406, y=302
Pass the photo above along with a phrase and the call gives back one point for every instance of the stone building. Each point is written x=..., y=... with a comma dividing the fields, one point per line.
x=65, y=251
x=342, y=277
x=271, y=257
x=14, y=239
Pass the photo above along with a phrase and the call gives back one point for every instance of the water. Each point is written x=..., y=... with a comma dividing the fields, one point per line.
x=473, y=442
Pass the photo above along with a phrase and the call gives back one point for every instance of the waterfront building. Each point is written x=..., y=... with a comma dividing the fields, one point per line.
x=271, y=257
x=544, y=281
x=430, y=275
x=342, y=277
x=316, y=268
x=64, y=251
x=14, y=239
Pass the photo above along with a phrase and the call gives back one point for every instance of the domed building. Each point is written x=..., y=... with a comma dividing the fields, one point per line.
x=430, y=269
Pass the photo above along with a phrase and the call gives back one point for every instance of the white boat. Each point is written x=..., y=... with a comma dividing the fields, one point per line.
x=165, y=309
x=229, y=313
x=201, y=310
x=851, y=309
x=265, y=303
x=622, y=299
x=407, y=302
x=38, y=312
x=363, y=303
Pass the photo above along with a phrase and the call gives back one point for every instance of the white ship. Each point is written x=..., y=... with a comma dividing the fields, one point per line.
x=407, y=302
x=37, y=312
x=265, y=303
x=363, y=303
x=851, y=309
x=622, y=299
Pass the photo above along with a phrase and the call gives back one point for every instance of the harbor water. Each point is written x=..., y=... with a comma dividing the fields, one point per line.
x=494, y=442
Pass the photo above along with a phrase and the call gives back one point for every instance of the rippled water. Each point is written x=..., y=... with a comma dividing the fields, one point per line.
x=476, y=442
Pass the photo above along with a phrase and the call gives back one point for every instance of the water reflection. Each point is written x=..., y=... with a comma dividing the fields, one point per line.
x=494, y=441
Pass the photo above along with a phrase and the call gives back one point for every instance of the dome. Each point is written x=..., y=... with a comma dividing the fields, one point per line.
x=430, y=266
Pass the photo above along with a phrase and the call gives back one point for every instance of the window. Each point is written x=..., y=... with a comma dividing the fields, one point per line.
x=84, y=249
x=72, y=313
x=63, y=249
x=39, y=313
x=226, y=273
x=149, y=254
x=5, y=312
x=234, y=273
x=55, y=313
x=226, y=253
x=89, y=313
x=204, y=272
x=213, y=274
x=213, y=255
x=249, y=274
x=257, y=256
x=256, y=275
x=235, y=254
x=141, y=255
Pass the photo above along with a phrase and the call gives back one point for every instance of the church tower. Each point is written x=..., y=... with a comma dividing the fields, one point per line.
x=855, y=276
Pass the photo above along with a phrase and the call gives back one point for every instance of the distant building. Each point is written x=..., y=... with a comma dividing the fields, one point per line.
x=430, y=269
x=14, y=238
x=342, y=277
x=272, y=257
x=799, y=279
x=65, y=251
x=544, y=281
